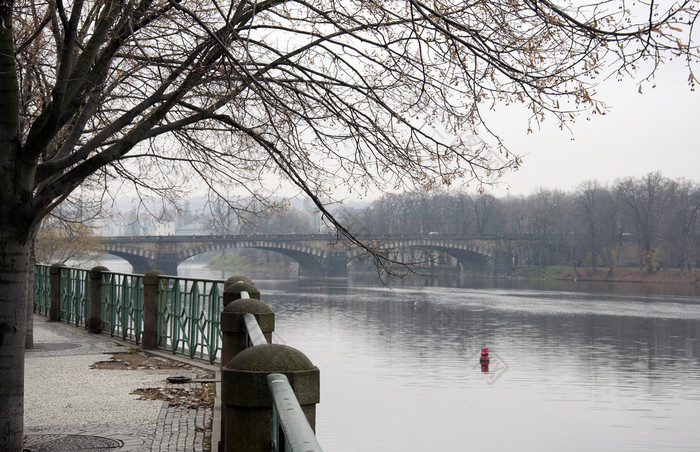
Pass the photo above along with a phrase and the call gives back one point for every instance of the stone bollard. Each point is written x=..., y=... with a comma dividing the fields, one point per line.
x=94, y=324
x=149, y=336
x=237, y=278
x=55, y=292
x=233, y=328
x=246, y=398
x=234, y=287
x=232, y=324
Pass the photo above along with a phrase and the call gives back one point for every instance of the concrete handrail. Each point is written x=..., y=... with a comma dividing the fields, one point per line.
x=290, y=428
x=255, y=334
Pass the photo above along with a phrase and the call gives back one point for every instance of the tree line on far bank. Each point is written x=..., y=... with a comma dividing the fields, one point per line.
x=650, y=222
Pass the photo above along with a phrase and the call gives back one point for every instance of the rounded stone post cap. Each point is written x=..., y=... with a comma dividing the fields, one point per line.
x=270, y=358
x=235, y=279
x=96, y=272
x=151, y=276
x=232, y=315
x=247, y=306
x=244, y=378
x=232, y=291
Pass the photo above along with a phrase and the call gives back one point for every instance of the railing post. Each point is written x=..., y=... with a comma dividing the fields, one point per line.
x=55, y=292
x=233, y=329
x=232, y=324
x=149, y=335
x=94, y=322
x=246, y=398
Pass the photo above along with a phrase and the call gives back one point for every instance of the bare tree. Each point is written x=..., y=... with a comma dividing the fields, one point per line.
x=483, y=206
x=680, y=226
x=64, y=241
x=324, y=94
x=590, y=200
x=222, y=218
x=548, y=215
x=647, y=201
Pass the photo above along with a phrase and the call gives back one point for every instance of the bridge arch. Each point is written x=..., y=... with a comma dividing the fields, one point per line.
x=141, y=260
x=473, y=257
x=310, y=259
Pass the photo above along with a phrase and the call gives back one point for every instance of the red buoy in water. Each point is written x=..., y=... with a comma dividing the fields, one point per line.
x=484, y=358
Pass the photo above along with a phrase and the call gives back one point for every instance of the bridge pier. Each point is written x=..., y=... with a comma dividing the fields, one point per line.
x=336, y=265
x=502, y=264
x=503, y=259
x=139, y=267
x=167, y=265
x=474, y=267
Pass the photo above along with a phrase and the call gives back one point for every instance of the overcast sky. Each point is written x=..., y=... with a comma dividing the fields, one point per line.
x=658, y=130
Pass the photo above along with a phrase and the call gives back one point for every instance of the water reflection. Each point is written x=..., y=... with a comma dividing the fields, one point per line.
x=575, y=371
x=621, y=288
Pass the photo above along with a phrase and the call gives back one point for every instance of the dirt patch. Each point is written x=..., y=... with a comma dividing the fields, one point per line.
x=192, y=398
x=146, y=361
x=636, y=276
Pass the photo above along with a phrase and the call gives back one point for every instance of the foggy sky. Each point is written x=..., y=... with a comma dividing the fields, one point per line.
x=658, y=130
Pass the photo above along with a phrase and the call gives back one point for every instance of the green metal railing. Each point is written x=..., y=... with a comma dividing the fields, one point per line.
x=42, y=290
x=188, y=313
x=122, y=305
x=75, y=296
x=188, y=309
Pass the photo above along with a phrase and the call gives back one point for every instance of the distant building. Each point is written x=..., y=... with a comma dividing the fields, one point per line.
x=131, y=224
x=194, y=228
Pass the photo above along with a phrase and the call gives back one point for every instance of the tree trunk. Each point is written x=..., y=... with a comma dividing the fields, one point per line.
x=29, y=336
x=29, y=325
x=14, y=276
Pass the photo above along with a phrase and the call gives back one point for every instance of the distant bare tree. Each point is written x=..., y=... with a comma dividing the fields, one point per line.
x=590, y=202
x=64, y=241
x=484, y=206
x=648, y=202
x=680, y=226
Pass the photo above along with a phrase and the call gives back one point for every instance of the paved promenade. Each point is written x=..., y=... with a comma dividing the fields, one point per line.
x=79, y=397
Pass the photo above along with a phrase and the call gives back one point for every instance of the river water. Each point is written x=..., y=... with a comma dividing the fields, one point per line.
x=573, y=367
x=569, y=370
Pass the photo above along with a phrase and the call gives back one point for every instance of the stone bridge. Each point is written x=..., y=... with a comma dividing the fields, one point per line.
x=323, y=255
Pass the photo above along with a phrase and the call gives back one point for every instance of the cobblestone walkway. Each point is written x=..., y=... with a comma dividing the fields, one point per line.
x=179, y=428
x=71, y=406
x=182, y=427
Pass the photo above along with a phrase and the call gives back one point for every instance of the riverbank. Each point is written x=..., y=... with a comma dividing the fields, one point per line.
x=619, y=275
